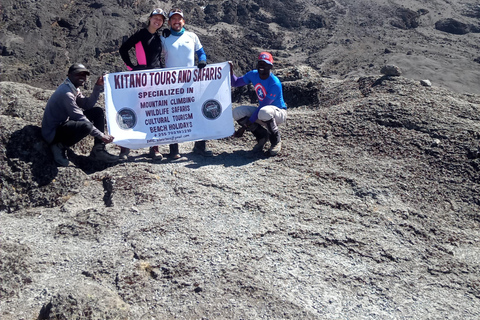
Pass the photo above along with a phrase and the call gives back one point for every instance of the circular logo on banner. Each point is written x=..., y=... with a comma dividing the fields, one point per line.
x=126, y=118
x=211, y=109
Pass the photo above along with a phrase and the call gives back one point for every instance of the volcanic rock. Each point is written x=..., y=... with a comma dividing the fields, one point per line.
x=452, y=26
x=376, y=187
x=371, y=210
x=391, y=70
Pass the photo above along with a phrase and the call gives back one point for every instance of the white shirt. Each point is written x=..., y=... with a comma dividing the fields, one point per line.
x=180, y=50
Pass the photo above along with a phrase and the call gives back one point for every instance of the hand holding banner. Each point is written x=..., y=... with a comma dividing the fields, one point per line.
x=162, y=106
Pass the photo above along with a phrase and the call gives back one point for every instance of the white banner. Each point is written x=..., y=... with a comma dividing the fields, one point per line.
x=162, y=106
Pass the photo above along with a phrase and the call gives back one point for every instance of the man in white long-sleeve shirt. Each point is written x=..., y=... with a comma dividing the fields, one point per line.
x=180, y=47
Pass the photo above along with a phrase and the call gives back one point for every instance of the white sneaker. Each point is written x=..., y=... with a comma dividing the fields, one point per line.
x=58, y=151
x=275, y=149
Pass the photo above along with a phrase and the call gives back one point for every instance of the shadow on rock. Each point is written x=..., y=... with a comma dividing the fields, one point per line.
x=27, y=146
x=30, y=177
x=87, y=164
x=235, y=159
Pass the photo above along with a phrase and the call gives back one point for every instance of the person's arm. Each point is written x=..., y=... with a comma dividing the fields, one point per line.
x=237, y=81
x=125, y=48
x=125, y=57
x=89, y=102
x=69, y=101
x=202, y=58
x=107, y=138
x=201, y=55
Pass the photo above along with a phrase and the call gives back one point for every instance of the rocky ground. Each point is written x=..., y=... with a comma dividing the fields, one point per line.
x=370, y=211
x=435, y=39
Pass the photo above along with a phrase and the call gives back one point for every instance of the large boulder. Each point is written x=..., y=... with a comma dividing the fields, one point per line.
x=85, y=300
x=452, y=26
x=406, y=19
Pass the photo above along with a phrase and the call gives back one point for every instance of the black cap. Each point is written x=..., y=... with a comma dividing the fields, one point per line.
x=77, y=68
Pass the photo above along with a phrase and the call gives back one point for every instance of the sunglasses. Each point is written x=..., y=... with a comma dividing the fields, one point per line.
x=157, y=11
x=175, y=11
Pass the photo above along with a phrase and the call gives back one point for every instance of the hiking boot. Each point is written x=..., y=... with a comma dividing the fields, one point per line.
x=58, y=151
x=123, y=156
x=261, y=135
x=275, y=148
x=200, y=148
x=100, y=154
x=260, y=144
x=155, y=154
x=174, y=155
x=275, y=140
x=243, y=126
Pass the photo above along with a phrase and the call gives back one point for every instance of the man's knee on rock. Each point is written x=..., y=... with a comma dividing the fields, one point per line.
x=85, y=128
x=236, y=114
x=265, y=115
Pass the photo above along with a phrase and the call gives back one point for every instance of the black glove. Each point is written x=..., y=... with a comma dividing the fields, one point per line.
x=201, y=64
x=239, y=132
x=246, y=124
x=166, y=33
x=252, y=126
x=139, y=67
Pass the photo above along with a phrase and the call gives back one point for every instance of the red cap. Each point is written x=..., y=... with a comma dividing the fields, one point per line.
x=265, y=56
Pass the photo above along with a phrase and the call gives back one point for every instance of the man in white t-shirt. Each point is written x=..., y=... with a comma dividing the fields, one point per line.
x=179, y=47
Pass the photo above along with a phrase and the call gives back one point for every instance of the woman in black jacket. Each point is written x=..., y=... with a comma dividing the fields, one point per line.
x=148, y=52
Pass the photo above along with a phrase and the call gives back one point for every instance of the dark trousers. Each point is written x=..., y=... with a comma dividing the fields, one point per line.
x=71, y=132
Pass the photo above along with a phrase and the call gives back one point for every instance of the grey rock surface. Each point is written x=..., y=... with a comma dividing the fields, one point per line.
x=391, y=70
x=370, y=211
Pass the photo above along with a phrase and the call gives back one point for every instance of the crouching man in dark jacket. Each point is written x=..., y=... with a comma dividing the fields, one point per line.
x=70, y=116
